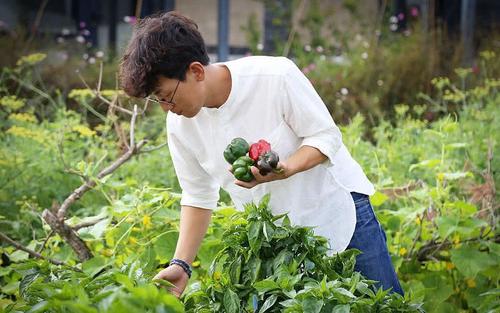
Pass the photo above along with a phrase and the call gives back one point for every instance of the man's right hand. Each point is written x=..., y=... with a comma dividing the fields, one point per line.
x=175, y=275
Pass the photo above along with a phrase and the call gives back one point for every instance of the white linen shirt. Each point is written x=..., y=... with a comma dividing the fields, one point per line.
x=270, y=99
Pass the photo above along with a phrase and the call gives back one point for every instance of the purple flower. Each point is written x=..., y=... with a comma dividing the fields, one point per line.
x=401, y=16
x=82, y=24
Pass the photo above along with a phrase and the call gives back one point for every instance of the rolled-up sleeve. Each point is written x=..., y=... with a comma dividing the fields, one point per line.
x=307, y=115
x=199, y=189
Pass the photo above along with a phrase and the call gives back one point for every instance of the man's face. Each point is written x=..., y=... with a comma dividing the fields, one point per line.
x=184, y=98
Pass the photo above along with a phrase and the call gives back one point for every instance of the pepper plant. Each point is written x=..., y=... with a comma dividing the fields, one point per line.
x=268, y=265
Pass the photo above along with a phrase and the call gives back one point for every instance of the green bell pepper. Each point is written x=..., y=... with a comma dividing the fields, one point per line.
x=236, y=149
x=241, y=168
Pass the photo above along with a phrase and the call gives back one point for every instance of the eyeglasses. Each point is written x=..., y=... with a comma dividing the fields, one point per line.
x=167, y=102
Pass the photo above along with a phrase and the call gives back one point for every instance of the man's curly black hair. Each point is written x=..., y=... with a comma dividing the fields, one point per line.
x=162, y=44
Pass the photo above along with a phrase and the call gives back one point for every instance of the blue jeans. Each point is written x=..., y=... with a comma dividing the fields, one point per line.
x=374, y=262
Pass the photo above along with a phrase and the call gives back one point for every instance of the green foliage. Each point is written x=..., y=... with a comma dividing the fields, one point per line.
x=267, y=265
x=437, y=198
x=46, y=288
x=44, y=157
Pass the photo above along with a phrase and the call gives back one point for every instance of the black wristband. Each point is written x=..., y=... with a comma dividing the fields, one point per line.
x=182, y=264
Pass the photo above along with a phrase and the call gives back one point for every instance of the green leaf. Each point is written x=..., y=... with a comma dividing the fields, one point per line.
x=231, y=302
x=254, y=229
x=18, y=256
x=264, y=202
x=312, y=305
x=438, y=288
x=425, y=164
x=268, y=230
x=98, y=229
x=268, y=303
x=343, y=294
x=343, y=308
x=393, y=223
x=10, y=288
x=28, y=279
x=466, y=208
x=378, y=198
x=447, y=225
x=456, y=145
x=456, y=175
x=148, y=259
x=235, y=270
x=94, y=265
x=469, y=261
x=265, y=285
x=164, y=246
x=254, y=266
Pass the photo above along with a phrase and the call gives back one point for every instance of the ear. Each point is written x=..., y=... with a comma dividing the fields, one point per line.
x=197, y=70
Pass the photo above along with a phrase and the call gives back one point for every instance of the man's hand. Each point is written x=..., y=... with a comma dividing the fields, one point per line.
x=175, y=275
x=304, y=158
x=280, y=173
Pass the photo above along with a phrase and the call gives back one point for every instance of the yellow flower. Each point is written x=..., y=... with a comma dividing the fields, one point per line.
x=471, y=283
x=450, y=266
x=12, y=103
x=132, y=240
x=492, y=83
x=27, y=133
x=107, y=252
x=146, y=221
x=196, y=264
x=31, y=59
x=81, y=95
x=440, y=82
x=110, y=93
x=401, y=109
x=456, y=239
x=418, y=220
x=402, y=251
x=23, y=117
x=217, y=275
x=487, y=55
x=456, y=96
x=463, y=72
x=84, y=131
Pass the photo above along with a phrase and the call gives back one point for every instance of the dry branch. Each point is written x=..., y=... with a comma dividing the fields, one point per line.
x=87, y=224
x=29, y=251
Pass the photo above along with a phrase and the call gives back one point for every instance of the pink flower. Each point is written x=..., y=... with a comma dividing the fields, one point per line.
x=414, y=11
x=130, y=19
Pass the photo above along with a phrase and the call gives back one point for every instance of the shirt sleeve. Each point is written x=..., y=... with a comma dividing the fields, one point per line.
x=199, y=189
x=306, y=113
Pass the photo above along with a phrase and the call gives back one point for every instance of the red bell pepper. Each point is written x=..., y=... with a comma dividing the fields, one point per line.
x=259, y=148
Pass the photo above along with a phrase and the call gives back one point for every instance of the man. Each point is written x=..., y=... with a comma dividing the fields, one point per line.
x=269, y=98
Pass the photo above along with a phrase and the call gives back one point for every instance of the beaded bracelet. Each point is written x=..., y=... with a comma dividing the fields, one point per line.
x=182, y=264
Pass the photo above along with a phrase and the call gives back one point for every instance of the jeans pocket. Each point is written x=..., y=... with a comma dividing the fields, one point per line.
x=364, y=212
